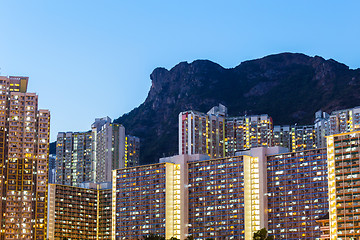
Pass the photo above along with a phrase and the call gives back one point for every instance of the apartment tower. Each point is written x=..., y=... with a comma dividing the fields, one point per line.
x=73, y=158
x=346, y=120
x=24, y=150
x=108, y=148
x=322, y=128
x=217, y=135
x=245, y=132
x=343, y=152
x=132, y=151
x=82, y=212
x=201, y=133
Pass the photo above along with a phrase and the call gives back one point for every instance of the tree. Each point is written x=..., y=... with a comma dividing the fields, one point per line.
x=262, y=235
x=173, y=238
x=190, y=237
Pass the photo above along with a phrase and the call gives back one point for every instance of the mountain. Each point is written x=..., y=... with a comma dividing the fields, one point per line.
x=290, y=87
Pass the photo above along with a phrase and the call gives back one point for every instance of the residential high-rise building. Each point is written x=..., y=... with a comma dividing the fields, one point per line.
x=152, y=199
x=91, y=156
x=223, y=198
x=108, y=148
x=235, y=135
x=73, y=158
x=343, y=151
x=140, y=200
x=297, y=193
x=302, y=138
x=324, y=227
x=24, y=150
x=247, y=132
x=217, y=135
x=322, y=128
x=282, y=136
x=295, y=137
x=52, y=168
x=346, y=120
x=259, y=128
x=201, y=133
x=79, y=212
x=104, y=219
x=132, y=151
x=216, y=198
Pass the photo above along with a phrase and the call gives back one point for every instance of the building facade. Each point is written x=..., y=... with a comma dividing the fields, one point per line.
x=247, y=132
x=132, y=151
x=346, y=120
x=297, y=193
x=201, y=133
x=104, y=219
x=344, y=185
x=216, y=198
x=322, y=128
x=91, y=156
x=73, y=158
x=52, y=168
x=302, y=138
x=79, y=212
x=24, y=146
x=108, y=148
x=218, y=136
x=223, y=198
x=282, y=136
x=140, y=200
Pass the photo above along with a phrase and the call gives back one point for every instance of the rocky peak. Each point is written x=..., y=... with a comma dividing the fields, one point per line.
x=281, y=85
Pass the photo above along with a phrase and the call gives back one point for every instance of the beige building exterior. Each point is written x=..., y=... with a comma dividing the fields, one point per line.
x=217, y=135
x=343, y=151
x=79, y=212
x=24, y=152
x=108, y=148
x=201, y=133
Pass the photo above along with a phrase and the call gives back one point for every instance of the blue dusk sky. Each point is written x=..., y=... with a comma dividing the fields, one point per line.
x=89, y=59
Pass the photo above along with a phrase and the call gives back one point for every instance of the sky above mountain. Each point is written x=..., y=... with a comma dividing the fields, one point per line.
x=89, y=59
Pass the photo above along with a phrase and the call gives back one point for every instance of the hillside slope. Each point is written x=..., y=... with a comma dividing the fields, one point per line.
x=290, y=87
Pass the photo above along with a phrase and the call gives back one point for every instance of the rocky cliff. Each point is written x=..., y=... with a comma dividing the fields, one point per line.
x=290, y=87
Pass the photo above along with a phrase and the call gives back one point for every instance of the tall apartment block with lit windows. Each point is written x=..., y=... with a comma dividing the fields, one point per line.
x=302, y=138
x=217, y=135
x=91, y=156
x=346, y=120
x=141, y=198
x=73, y=158
x=282, y=136
x=248, y=132
x=201, y=133
x=132, y=151
x=216, y=198
x=232, y=134
x=24, y=150
x=297, y=193
x=322, y=128
x=108, y=148
x=343, y=151
x=230, y=197
x=79, y=212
